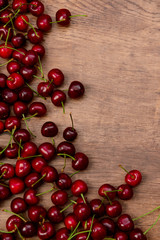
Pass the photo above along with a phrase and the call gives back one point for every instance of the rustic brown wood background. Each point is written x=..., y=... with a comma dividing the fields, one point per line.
x=115, y=52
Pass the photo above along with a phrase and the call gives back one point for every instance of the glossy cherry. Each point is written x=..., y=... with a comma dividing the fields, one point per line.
x=109, y=225
x=70, y=221
x=28, y=230
x=18, y=205
x=62, y=234
x=64, y=181
x=79, y=187
x=47, y=150
x=30, y=197
x=38, y=109
x=20, y=4
x=58, y=98
x=63, y=17
x=49, y=129
x=121, y=236
x=25, y=94
x=29, y=150
x=39, y=49
x=98, y=231
x=36, y=8
x=107, y=191
x=30, y=58
x=81, y=161
x=49, y=174
x=55, y=215
x=23, y=168
x=56, y=77
x=4, y=192
x=82, y=211
x=15, y=81
x=66, y=148
x=59, y=198
x=4, y=34
x=14, y=222
x=12, y=151
x=12, y=122
x=5, y=50
x=4, y=110
x=5, y=16
x=18, y=40
x=35, y=36
x=7, y=236
x=137, y=234
x=45, y=89
x=125, y=192
x=16, y=185
x=20, y=23
x=44, y=22
x=20, y=109
x=7, y=171
x=28, y=74
x=76, y=89
x=125, y=223
x=9, y=96
x=13, y=67
x=38, y=164
x=133, y=178
x=97, y=207
x=46, y=230
x=37, y=213
x=22, y=135
x=114, y=209
x=19, y=54
x=32, y=180
x=3, y=79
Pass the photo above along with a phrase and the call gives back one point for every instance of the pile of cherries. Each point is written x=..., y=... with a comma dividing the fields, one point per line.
x=88, y=220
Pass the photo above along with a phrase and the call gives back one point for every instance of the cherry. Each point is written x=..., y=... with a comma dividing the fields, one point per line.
x=80, y=200
x=137, y=234
x=109, y=225
x=20, y=4
x=125, y=223
x=46, y=230
x=82, y=236
x=70, y=134
x=22, y=135
x=9, y=96
x=59, y=198
x=13, y=67
x=15, y=80
x=36, y=8
x=66, y=148
x=62, y=234
x=98, y=231
x=35, y=35
x=49, y=174
x=4, y=110
x=79, y=187
x=11, y=151
x=20, y=23
x=39, y=49
x=13, y=223
x=121, y=236
x=107, y=191
x=88, y=223
x=5, y=16
x=63, y=17
x=76, y=89
x=45, y=89
x=97, y=207
x=30, y=58
x=3, y=79
x=28, y=230
x=25, y=94
x=114, y=209
x=70, y=221
x=1, y=127
x=16, y=185
x=49, y=129
x=20, y=109
x=12, y=122
x=30, y=197
x=37, y=213
x=125, y=192
x=82, y=211
x=18, y=40
x=56, y=76
x=133, y=178
x=44, y=22
x=47, y=150
x=58, y=98
x=5, y=50
x=64, y=181
x=3, y=3
x=37, y=109
x=18, y=205
x=55, y=215
x=7, y=171
x=5, y=34
x=32, y=180
x=29, y=150
x=81, y=161
x=28, y=73
x=19, y=54
x=23, y=168
x=7, y=236
x=38, y=164
x=4, y=192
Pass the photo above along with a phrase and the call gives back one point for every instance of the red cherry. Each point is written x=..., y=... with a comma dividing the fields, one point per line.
x=39, y=49
x=38, y=164
x=7, y=236
x=12, y=122
x=59, y=198
x=79, y=187
x=44, y=22
x=70, y=221
x=30, y=197
x=69, y=134
x=5, y=33
x=15, y=80
x=1, y=127
x=56, y=76
x=22, y=135
x=37, y=213
x=18, y=205
x=82, y=211
x=76, y=89
x=64, y=181
x=28, y=74
x=113, y=209
x=87, y=224
x=4, y=110
x=29, y=150
x=5, y=16
x=49, y=129
x=5, y=50
x=107, y=190
x=98, y=231
x=47, y=150
x=3, y=79
x=49, y=174
x=81, y=161
x=133, y=178
x=38, y=109
x=55, y=215
x=7, y=170
x=14, y=222
x=25, y=94
x=28, y=230
x=46, y=230
x=23, y=168
x=35, y=36
x=110, y=226
x=125, y=223
x=13, y=67
x=18, y=40
x=20, y=109
x=12, y=151
x=45, y=89
x=9, y=96
x=30, y=58
x=63, y=17
x=125, y=192
x=4, y=192
x=20, y=23
x=58, y=98
x=66, y=148
x=62, y=234
x=16, y=185
x=19, y=54
x=36, y=8
x=97, y=207
x=32, y=180
x=137, y=234
x=20, y=4
x=121, y=236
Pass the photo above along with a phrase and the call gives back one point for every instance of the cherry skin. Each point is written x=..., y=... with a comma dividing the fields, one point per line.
x=30, y=58
x=121, y=236
x=56, y=77
x=126, y=192
x=63, y=17
x=137, y=234
x=1, y=127
x=39, y=49
x=37, y=213
x=87, y=224
x=13, y=67
x=25, y=94
x=13, y=222
x=4, y=192
x=4, y=110
x=82, y=211
x=30, y=197
x=36, y=8
x=22, y=135
x=3, y=79
x=38, y=164
x=18, y=205
x=133, y=178
x=59, y=198
x=50, y=174
x=49, y=129
x=37, y=108
x=28, y=230
x=7, y=170
x=64, y=181
x=5, y=51
x=98, y=231
x=15, y=81
x=80, y=200
x=62, y=234
x=69, y=134
x=16, y=185
x=44, y=22
x=7, y=236
x=12, y=151
x=3, y=3
x=19, y=55
x=23, y=168
x=110, y=226
x=5, y=16
x=28, y=73
x=20, y=4
x=46, y=230
x=35, y=36
x=20, y=108
x=12, y=122
x=4, y=33
x=82, y=236
x=97, y=207
x=125, y=223
x=45, y=89
x=29, y=149
x=20, y=23
x=70, y=221
x=9, y=96
x=58, y=97
x=81, y=161
x=104, y=191
x=31, y=180
x=79, y=187
x=47, y=150
x=76, y=89
x=55, y=215
x=114, y=209
x=18, y=40
x=66, y=148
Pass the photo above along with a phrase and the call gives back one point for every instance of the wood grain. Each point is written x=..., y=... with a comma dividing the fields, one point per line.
x=115, y=52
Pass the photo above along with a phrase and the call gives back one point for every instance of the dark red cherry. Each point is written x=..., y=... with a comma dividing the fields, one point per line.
x=4, y=110
x=30, y=197
x=30, y=58
x=82, y=211
x=125, y=192
x=82, y=236
x=23, y=168
x=36, y=8
x=25, y=94
x=29, y=150
x=56, y=77
x=98, y=231
x=32, y=180
x=20, y=23
x=59, y=198
x=18, y=205
x=87, y=224
x=80, y=200
x=62, y=234
x=20, y=4
x=5, y=50
x=28, y=73
x=3, y=79
x=70, y=221
x=63, y=17
x=125, y=223
x=19, y=54
x=44, y=22
x=35, y=36
x=12, y=122
x=97, y=207
x=66, y=148
x=9, y=96
x=22, y=135
x=49, y=129
x=81, y=161
x=58, y=98
x=5, y=16
x=38, y=164
x=64, y=181
x=15, y=81
x=109, y=225
x=18, y=40
x=37, y=213
x=4, y=192
x=45, y=89
x=69, y=134
x=12, y=151
x=7, y=171
x=55, y=215
x=107, y=190
x=13, y=67
x=4, y=33
x=38, y=109
x=28, y=230
x=47, y=150
x=14, y=222
x=76, y=89
x=7, y=236
x=121, y=236
x=133, y=178
x=46, y=230
x=1, y=127
x=137, y=234
x=50, y=174
x=20, y=108
x=39, y=49
x=79, y=187
x=114, y=209
x=16, y=185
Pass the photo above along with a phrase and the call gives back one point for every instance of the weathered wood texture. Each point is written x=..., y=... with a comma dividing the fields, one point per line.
x=115, y=52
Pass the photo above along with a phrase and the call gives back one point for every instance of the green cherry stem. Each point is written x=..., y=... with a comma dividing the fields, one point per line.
x=87, y=231
x=12, y=17
x=64, y=166
x=5, y=210
x=4, y=185
x=19, y=233
x=66, y=207
x=74, y=173
x=30, y=157
x=14, y=30
x=40, y=67
x=135, y=219
x=28, y=126
x=72, y=121
x=1, y=231
x=1, y=10
x=13, y=49
x=7, y=36
x=3, y=64
x=10, y=141
x=43, y=79
x=82, y=196
x=116, y=190
x=67, y=155
x=29, y=24
x=63, y=107
x=39, y=194
x=152, y=225
x=39, y=180
x=35, y=91
x=126, y=171
x=72, y=233
x=90, y=228
x=3, y=174
x=19, y=149
x=26, y=118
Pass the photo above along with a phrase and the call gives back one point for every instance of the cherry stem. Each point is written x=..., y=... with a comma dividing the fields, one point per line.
x=39, y=194
x=72, y=121
x=134, y=219
x=63, y=107
x=82, y=196
x=40, y=78
x=19, y=149
x=1, y=231
x=39, y=180
x=67, y=155
x=152, y=225
x=53, y=141
x=28, y=126
x=5, y=210
x=10, y=141
x=73, y=200
x=74, y=173
x=116, y=190
x=3, y=64
x=19, y=233
x=13, y=49
x=12, y=17
x=110, y=202
x=74, y=230
x=126, y=171
x=26, y=118
x=30, y=26
x=7, y=36
x=14, y=30
x=4, y=185
x=31, y=157
x=40, y=67
x=64, y=166
x=35, y=91
x=66, y=207
x=90, y=228
x=101, y=203
x=69, y=17
x=1, y=10
x=3, y=174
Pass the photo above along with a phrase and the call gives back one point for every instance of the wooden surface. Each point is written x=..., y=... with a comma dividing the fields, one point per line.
x=115, y=52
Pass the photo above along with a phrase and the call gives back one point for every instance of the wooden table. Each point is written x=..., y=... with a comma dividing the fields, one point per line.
x=115, y=52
